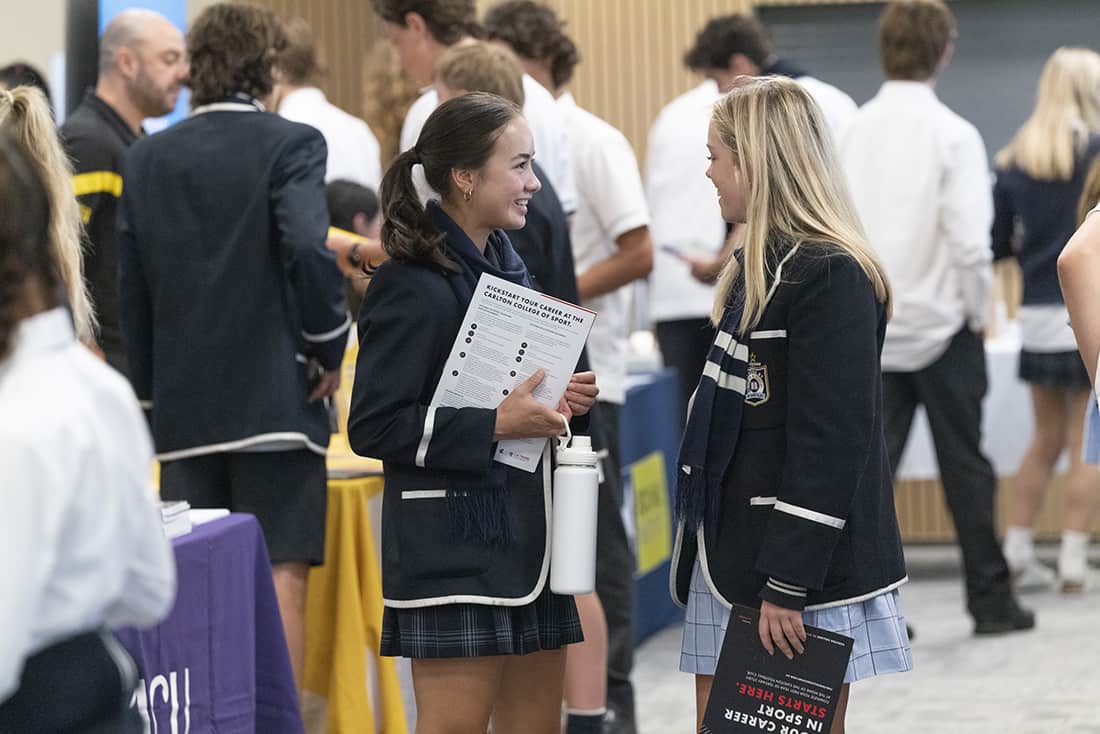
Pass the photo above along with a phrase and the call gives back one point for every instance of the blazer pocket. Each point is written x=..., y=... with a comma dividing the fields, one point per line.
x=429, y=550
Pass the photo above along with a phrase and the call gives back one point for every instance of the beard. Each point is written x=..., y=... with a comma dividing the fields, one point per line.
x=152, y=100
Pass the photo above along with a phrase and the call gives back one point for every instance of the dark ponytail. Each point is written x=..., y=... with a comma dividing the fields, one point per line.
x=460, y=134
x=407, y=233
x=26, y=252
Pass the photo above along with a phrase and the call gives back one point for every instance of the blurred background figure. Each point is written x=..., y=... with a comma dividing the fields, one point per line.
x=612, y=249
x=920, y=182
x=233, y=309
x=25, y=115
x=142, y=68
x=421, y=30
x=689, y=234
x=81, y=543
x=686, y=223
x=22, y=74
x=739, y=45
x=387, y=95
x=1040, y=176
x=353, y=153
x=354, y=208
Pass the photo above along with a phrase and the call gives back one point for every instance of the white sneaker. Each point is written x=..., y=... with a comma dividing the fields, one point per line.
x=1033, y=576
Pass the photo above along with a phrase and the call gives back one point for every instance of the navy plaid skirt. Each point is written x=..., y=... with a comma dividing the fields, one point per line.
x=1057, y=370
x=479, y=630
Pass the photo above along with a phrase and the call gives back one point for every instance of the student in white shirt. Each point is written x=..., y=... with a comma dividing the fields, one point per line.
x=421, y=30
x=612, y=249
x=81, y=543
x=686, y=218
x=920, y=181
x=353, y=151
x=687, y=228
x=739, y=45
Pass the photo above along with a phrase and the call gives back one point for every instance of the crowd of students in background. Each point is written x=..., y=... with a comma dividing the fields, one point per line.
x=770, y=298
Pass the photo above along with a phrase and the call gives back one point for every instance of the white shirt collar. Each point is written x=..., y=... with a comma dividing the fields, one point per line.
x=304, y=95
x=237, y=103
x=44, y=332
x=902, y=88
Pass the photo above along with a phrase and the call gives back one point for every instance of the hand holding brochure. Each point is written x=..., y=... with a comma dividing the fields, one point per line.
x=509, y=333
x=754, y=691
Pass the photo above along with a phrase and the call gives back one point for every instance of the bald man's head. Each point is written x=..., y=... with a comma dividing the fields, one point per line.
x=142, y=51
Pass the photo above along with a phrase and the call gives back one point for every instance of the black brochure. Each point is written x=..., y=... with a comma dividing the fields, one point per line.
x=757, y=692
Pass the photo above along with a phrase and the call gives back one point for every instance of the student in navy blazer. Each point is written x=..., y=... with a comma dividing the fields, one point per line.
x=785, y=500
x=232, y=307
x=465, y=542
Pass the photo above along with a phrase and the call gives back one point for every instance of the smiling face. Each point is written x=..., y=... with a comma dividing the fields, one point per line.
x=503, y=187
x=724, y=172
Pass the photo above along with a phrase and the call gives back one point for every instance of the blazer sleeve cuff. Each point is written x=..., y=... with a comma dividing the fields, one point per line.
x=782, y=594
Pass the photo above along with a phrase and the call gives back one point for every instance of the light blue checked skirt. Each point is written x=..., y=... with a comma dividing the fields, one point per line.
x=1092, y=434
x=877, y=626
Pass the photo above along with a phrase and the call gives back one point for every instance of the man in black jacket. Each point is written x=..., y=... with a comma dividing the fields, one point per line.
x=142, y=67
x=232, y=307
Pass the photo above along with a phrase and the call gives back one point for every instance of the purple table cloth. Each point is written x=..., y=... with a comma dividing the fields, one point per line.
x=219, y=662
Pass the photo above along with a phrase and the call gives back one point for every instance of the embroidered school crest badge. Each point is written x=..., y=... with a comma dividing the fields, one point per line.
x=757, y=390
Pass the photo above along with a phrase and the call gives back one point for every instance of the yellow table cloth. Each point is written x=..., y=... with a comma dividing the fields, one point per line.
x=348, y=688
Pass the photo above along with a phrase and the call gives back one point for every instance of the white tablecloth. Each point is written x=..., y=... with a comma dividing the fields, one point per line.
x=1006, y=416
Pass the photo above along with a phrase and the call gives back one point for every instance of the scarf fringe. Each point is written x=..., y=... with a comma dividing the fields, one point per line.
x=479, y=509
x=691, y=496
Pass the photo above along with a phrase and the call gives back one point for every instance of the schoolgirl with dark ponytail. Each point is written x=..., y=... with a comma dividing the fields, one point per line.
x=464, y=539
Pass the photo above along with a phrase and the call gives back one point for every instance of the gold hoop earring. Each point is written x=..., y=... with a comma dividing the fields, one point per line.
x=467, y=195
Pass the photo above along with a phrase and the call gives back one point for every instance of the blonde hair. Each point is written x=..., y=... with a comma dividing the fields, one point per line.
x=784, y=153
x=1067, y=109
x=388, y=93
x=25, y=114
x=1090, y=192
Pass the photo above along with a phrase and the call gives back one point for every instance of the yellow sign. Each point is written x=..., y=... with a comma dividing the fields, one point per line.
x=651, y=511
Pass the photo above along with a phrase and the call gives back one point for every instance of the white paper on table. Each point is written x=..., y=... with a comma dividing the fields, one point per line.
x=203, y=516
x=509, y=333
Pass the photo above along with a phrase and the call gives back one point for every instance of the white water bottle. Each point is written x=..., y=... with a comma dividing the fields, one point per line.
x=573, y=526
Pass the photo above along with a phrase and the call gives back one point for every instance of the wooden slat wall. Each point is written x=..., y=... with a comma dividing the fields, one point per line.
x=923, y=515
x=632, y=50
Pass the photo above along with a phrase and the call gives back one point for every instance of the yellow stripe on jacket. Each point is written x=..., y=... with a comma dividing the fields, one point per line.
x=97, y=182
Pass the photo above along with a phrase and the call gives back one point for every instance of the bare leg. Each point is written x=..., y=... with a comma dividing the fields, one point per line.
x=586, y=662
x=290, y=589
x=455, y=695
x=1083, y=487
x=703, y=685
x=1029, y=487
x=529, y=699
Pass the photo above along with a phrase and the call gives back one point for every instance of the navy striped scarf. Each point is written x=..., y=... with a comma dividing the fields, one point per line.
x=477, y=503
x=714, y=423
x=716, y=410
